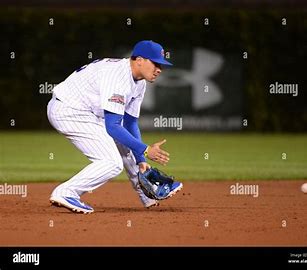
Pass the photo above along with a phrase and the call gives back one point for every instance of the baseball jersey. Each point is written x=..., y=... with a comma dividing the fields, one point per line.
x=105, y=84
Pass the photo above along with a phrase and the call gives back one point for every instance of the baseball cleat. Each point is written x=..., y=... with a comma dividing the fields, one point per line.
x=73, y=204
x=152, y=204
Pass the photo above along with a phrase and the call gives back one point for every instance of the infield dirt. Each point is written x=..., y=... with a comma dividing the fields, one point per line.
x=202, y=214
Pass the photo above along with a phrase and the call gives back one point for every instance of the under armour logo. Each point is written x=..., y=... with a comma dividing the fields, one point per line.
x=205, y=64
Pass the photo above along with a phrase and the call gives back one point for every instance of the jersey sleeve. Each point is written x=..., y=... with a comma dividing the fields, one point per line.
x=113, y=92
x=134, y=106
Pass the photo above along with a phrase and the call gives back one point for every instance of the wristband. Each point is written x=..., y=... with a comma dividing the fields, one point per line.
x=146, y=151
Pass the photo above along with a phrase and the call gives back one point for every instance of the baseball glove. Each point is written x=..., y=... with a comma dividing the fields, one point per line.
x=157, y=185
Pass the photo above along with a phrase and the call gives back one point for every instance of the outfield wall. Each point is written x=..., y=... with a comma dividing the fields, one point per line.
x=234, y=69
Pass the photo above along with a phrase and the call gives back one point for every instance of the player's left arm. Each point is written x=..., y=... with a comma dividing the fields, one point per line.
x=131, y=124
x=131, y=116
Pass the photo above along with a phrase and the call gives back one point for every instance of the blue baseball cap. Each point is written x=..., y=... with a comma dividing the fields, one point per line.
x=150, y=50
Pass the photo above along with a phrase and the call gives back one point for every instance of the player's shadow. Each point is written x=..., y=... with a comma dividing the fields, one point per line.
x=136, y=209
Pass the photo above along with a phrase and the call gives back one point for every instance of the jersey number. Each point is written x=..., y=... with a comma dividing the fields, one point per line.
x=97, y=60
x=83, y=67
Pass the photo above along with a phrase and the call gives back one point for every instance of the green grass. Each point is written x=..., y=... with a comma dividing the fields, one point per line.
x=25, y=156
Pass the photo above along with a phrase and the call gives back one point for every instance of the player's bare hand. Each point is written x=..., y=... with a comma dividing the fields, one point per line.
x=143, y=167
x=155, y=153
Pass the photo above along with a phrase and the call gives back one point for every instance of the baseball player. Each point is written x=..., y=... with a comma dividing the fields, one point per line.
x=97, y=109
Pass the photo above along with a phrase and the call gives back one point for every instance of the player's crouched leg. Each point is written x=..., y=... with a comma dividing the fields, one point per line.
x=132, y=170
x=91, y=177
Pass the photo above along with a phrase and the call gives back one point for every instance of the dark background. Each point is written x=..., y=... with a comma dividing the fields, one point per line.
x=49, y=53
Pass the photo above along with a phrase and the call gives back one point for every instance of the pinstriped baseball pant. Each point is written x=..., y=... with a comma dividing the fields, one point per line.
x=87, y=132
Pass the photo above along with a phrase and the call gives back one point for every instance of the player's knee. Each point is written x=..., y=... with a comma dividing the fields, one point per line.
x=135, y=185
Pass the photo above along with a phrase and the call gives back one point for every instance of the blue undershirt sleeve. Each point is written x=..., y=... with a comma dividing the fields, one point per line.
x=131, y=124
x=122, y=135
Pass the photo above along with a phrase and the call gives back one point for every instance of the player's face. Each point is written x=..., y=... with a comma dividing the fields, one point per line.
x=150, y=70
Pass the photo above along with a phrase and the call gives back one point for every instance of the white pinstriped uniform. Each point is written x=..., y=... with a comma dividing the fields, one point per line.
x=76, y=110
